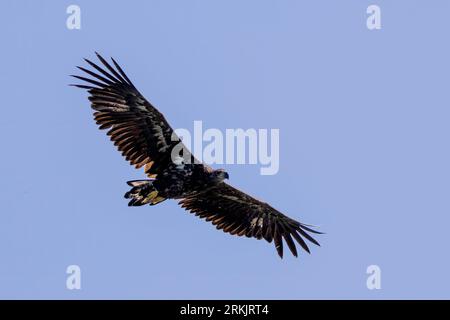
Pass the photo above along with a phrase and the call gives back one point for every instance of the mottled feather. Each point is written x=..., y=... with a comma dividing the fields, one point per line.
x=137, y=128
x=235, y=212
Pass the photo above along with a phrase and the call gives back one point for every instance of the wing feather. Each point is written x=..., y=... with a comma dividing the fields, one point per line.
x=237, y=213
x=136, y=127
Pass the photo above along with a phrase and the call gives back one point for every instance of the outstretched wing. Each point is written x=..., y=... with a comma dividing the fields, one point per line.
x=136, y=127
x=237, y=213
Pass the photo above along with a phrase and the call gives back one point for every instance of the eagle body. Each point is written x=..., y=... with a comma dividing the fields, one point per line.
x=145, y=138
x=177, y=181
x=183, y=180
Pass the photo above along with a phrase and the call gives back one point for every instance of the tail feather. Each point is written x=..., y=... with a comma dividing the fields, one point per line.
x=142, y=192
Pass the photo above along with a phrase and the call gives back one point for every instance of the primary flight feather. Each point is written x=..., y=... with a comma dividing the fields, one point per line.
x=145, y=139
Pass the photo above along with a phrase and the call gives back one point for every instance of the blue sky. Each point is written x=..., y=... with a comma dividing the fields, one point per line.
x=363, y=118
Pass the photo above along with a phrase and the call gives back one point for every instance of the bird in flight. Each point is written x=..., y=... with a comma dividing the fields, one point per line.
x=146, y=140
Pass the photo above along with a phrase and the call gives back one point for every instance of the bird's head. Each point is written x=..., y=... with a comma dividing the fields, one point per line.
x=219, y=175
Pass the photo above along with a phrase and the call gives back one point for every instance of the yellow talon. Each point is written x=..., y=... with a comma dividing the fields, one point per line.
x=158, y=200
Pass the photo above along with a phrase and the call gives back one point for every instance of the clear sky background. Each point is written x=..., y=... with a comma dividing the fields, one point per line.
x=364, y=128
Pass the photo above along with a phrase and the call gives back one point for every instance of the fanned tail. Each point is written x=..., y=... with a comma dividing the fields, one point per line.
x=143, y=192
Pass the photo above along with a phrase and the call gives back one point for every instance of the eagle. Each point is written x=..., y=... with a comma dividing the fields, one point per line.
x=145, y=138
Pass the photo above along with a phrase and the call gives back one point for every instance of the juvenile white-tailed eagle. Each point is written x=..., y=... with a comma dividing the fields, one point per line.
x=146, y=139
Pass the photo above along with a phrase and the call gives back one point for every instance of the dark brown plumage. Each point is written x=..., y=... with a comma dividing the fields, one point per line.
x=144, y=137
x=239, y=214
